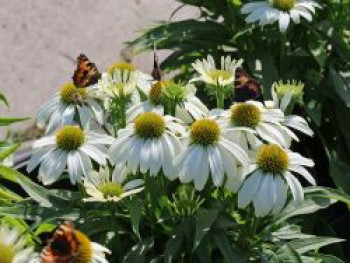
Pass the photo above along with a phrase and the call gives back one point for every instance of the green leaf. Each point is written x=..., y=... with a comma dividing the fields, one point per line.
x=292, y=254
x=269, y=73
x=8, y=150
x=4, y=99
x=341, y=83
x=340, y=172
x=7, y=194
x=203, y=250
x=8, y=121
x=38, y=193
x=34, y=212
x=44, y=228
x=135, y=215
x=137, y=254
x=329, y=193
x=205, y=219
x=312, y=203
x=175, y=241
x=317, y=48
x=230, y=253
x=289, y=232
x=330, y=259
x=314, y=110
x=305, y=245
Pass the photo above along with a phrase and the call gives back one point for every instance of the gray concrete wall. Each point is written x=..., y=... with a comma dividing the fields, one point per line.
x=39, y=39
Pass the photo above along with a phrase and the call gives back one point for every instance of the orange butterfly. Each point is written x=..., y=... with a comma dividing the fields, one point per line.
x=86, y=73
x=246, y=88
x=63, y=246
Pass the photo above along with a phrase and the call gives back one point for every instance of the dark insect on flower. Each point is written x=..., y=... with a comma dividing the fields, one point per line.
x=156, y=72
x=246, y=88
x=86, y=73
x=63, y=246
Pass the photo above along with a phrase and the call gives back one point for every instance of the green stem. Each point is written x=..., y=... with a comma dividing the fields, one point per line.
x=220, y=97
x=173, y=108
x=122, y=113
x=114, y=116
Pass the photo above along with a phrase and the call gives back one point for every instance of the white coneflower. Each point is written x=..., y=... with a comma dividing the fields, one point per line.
x=103, y=187
x=188, y=106
x=210, y=74
x=285, y=94
x=256, y=123
x=69, y=105
x=149, y=144
x=122, y=80
x=209, y=152
x=13, y=248
x=70, y=148
x=281, y=11
x=271, y=173
x=71, y=245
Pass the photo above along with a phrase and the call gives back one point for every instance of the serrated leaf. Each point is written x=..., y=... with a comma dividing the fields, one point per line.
x=135, y=215
x=137, y=254
x=291, y=254
x=230, y=253
x=205, y=219
x=310, y=205
x=175, y=241
x=330, y=193
x=311, y=244
x=330, y=259
x=341, y=83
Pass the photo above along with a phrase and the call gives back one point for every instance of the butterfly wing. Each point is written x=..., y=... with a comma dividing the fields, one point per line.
x=246, y=88
x=86, y=73
x=63, y=246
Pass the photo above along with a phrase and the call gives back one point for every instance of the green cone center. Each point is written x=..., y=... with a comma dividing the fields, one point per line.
x=205, y=132
x=71, y=94
x=149, y=125
x=70, y=138
x=111, y=189
x=245, y=115
x=217, y=74
x=284, y=5
x=6, y=253
x=272, y=159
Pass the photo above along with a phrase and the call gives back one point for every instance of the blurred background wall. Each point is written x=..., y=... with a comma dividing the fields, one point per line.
x=40, y=39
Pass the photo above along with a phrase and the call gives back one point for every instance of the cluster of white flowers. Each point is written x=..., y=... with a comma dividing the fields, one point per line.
x=168, y=131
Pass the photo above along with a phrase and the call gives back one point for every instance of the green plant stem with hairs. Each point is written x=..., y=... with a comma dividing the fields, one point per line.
x=220, y=97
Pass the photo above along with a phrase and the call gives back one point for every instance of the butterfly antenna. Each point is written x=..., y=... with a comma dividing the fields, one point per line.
x=156, y=73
